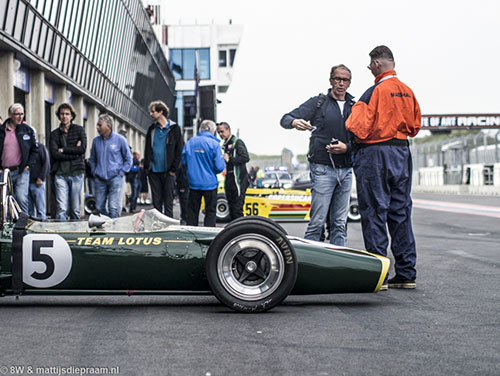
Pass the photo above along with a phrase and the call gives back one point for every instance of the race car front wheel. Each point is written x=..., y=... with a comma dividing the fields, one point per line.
x=251, y=266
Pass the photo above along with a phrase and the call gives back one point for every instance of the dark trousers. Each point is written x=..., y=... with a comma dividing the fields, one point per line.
x=183, y=194
x=235, y=199
x=162, y=192
x=383, y=178
x=195, y=203
x=135, y=185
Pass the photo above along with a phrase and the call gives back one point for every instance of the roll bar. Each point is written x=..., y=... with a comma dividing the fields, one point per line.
x=9, y=203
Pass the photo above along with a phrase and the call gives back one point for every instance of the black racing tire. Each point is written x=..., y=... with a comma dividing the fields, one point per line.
x=251, y=266
x=353, y=215
x=258, y=218
x=222, y=209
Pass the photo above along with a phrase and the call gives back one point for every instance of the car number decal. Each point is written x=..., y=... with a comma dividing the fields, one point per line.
x=47, y=260
x=251, y=208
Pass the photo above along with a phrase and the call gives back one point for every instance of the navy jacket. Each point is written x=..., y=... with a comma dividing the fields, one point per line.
x=329, y=124
x=41, y=167
x=27, y=143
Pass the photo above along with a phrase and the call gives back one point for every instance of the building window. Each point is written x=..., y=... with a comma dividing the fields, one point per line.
x=223, y=58
x=488, y=174
x=183, y=62
x=232, y=54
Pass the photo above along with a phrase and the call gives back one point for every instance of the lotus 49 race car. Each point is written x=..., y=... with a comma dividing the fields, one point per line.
x=250, y=265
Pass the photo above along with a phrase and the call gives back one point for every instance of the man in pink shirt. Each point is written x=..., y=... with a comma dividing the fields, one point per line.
x=18, y=150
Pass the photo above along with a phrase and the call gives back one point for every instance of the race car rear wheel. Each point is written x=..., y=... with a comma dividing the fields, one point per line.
x=251, y=266
x=222, y=209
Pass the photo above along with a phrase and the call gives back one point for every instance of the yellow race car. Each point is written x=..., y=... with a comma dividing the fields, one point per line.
x=279, y=204
x=275, y=203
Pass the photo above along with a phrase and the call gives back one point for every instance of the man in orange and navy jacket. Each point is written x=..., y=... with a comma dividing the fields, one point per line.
x=382, y=120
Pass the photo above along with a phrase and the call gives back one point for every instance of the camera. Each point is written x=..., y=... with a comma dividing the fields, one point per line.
x=334, y=141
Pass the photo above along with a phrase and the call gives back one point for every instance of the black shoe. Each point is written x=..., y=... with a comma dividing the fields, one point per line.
x=401, y=283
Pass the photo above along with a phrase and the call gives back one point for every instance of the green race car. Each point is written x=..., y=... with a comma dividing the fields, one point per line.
x=250, y=265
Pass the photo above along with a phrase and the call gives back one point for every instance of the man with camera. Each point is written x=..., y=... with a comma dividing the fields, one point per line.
x=329, y=154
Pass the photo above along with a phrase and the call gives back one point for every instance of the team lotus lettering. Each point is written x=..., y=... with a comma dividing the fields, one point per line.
x=400, y=95
x=119, y=241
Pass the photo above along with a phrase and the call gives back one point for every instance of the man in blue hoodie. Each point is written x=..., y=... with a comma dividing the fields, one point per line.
x=203, y=158
x=110, y=159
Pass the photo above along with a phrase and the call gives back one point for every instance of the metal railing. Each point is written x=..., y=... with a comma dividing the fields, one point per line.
x=454, y=154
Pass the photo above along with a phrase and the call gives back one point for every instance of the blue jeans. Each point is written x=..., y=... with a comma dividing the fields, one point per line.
x=68, y=193
x=330, y=192
x=37, y=200
x=108, y=196
x=20, y=183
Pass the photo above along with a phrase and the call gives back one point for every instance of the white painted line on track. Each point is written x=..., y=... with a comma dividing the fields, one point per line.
x=455, y=207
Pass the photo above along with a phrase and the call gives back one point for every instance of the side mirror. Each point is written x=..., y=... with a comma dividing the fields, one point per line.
x=97, y=220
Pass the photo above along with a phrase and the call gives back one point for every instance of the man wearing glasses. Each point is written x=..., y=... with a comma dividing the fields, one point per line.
x=18, y=151
x=329, y=155
x=162, y=156
x=383, y=119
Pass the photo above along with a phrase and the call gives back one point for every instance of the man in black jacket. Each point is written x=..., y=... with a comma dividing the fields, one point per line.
x=236, y=182
x=162, y=156
x=329, y=154
x=68, y=144
x=18, y=150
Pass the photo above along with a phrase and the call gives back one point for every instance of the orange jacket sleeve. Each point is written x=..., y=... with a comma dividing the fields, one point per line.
x=385, y=111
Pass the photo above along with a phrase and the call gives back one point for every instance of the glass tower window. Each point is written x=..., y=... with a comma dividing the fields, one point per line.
x=183, y=62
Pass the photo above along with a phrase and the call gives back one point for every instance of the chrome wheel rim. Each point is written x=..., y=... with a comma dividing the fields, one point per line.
x=354, y=213
x=222, y=208
x=250, y=267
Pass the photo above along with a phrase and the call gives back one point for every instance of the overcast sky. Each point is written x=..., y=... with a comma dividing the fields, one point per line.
x=446, y=51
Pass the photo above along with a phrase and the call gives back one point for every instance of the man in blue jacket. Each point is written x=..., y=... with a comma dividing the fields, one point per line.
x=203, y=158
x=110, y=159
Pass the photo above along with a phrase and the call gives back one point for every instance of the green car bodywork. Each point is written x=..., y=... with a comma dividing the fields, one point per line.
x=148, y=253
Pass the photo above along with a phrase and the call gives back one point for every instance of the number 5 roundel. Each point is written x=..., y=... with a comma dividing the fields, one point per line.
x=47, y=260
